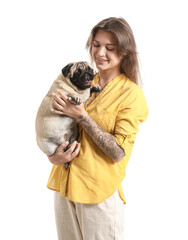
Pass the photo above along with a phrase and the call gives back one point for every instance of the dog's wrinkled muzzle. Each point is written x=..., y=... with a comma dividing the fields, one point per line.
x=88, y=77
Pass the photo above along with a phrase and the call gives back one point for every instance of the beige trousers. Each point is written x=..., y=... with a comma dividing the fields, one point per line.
x=77, y=221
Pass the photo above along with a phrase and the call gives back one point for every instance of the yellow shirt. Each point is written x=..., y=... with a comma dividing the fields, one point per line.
x=92, y=176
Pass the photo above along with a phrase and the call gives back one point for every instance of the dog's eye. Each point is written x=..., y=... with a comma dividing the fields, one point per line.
x=77, y=73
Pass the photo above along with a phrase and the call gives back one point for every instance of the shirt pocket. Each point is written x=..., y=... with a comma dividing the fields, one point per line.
x=104, y=118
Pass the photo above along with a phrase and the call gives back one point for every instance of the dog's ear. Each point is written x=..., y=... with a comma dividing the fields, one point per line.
x=66, y=69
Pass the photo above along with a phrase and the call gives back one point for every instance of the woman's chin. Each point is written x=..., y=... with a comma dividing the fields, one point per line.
x=102, y=67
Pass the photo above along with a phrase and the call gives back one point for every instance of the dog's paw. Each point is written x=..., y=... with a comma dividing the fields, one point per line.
x=66, y=165
x=76, y=100
x=95, y=88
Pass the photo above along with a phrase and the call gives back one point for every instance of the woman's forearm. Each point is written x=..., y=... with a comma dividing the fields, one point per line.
x=104, y=140
x=107, y=143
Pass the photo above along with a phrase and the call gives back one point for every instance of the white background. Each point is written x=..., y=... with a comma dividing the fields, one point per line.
x=37, y=39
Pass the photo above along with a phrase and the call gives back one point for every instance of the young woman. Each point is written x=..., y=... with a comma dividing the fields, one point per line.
x=89, y=200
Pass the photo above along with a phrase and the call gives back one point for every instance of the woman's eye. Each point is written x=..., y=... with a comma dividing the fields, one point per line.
x=110, y=49
x=95, y=45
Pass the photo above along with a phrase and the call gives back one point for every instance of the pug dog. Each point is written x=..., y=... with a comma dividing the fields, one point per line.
x=53, y=129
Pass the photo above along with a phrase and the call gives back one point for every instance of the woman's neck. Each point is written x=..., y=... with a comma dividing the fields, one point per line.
x=105, y=77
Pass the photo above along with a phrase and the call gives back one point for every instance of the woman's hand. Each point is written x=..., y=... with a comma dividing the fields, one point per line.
x=63, y=106
x=61, y=157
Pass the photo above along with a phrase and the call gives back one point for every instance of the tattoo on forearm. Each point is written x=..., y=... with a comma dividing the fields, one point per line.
x=103, y=139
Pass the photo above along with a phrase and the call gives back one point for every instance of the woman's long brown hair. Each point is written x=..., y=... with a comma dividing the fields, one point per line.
x=126, y=45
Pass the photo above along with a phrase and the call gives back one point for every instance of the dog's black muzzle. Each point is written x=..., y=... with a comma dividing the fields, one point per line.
x=83, y=78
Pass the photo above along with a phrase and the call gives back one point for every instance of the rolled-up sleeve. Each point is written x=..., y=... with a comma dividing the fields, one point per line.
x=132, y=112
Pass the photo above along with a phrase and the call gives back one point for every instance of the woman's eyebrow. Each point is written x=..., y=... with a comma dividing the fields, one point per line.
x=106, y=44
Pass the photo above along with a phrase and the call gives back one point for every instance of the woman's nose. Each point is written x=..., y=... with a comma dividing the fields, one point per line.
x=101, y=51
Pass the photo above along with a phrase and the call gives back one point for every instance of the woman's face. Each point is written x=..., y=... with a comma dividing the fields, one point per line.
x=104, y=52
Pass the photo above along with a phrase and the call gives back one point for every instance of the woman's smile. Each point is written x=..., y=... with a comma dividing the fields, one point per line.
x=101, y=61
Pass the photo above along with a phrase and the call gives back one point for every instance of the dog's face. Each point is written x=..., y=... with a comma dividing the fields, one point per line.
x=80, y=74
